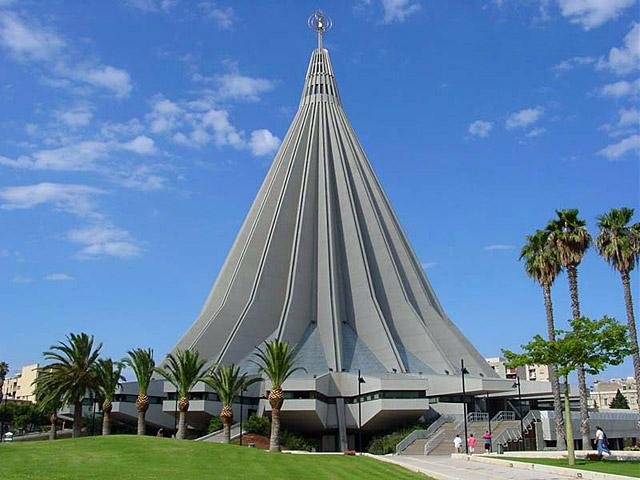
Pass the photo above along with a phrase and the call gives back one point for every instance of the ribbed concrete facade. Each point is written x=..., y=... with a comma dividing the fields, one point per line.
x=322, y=262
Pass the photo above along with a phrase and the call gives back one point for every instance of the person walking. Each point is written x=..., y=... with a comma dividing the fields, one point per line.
x=487, y=442
x=601, y=442
x=471, y=441
x=457, y=443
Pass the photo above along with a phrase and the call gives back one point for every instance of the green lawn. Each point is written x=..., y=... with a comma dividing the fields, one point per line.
x=122, y=457
x=630, y=469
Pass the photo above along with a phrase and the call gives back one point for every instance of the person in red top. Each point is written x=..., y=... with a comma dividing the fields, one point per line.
x=487, y=442
x=472, y=444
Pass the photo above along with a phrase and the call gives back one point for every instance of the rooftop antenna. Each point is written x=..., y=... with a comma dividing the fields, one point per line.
x=320, y=23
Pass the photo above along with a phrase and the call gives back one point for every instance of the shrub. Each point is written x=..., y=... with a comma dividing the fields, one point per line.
x=298, y=442
x=214, y=425
x=386, y=444
x=258, y=425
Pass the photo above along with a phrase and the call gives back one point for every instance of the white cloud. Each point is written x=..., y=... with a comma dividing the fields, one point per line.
x=536, y=132
x=592, y=13
x=22, y=279
x=625, y=59
x=427, y=265
x=75, y=199
x=223, y=16
x=497, y=247
x=116, y=80
x=104, y=240
x=480, y=128
x=630, y=117
x=141, y=145
x=524, y=118
x=617, y=150
x=164, y=116
x=75, y=117
x=621, y=89
x=28, y=42
x=399, y=10
x=153, y=5
x=572, y=63
x=263, y=142
x=235, y=86
x=58, y=277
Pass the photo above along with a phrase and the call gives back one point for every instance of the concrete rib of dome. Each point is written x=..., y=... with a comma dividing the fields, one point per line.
x=322, y=255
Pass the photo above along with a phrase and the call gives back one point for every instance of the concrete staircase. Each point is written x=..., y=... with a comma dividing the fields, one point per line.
x=440, y=440
x=218, y=436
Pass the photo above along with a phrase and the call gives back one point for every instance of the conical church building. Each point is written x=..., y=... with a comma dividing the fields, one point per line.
x=322, y=262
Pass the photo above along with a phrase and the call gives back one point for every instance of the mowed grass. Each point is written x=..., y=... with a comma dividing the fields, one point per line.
x=630, y=469
x=132, y=457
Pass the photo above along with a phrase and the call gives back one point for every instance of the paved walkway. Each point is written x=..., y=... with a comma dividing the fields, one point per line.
x=447, y=468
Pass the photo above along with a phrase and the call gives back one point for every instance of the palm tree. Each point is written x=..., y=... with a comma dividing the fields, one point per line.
x=570, y=239
x=277, y=361
x=183, y=370
x=543, y=266
x=619, y=244
x=48, y=402
x=228, y=383
x=72, y=372
x=142, y=363
x=109, y=375
x=4, y=369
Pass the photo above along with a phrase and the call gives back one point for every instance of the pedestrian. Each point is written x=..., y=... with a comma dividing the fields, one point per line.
x=471, y=441
x=160, y=433
x=457, y=443
x=601, y=442
x=487, y=442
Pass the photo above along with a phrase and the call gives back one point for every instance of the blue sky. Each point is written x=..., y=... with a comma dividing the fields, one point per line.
x=136, y=133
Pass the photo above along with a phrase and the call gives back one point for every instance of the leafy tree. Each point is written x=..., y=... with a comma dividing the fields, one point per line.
x=109, y=375
x=4, y=369
x=183, y=370
x=569, y=239
x=258, y=425
x=277, y=360
x=619, y=244
x=228, y=383
x=543, y=266
x=142, y=363
x=71, y=372
x=591, y=344
x=214, y=425
x=619, y=401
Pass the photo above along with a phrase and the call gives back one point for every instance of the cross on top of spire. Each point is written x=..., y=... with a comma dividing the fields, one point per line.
x=320, y=23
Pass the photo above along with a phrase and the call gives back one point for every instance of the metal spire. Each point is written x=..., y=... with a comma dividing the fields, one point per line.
x=319, y=22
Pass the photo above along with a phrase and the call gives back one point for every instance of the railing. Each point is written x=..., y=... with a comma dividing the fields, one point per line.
x=477, y=417
x=514, y=434
x=503, y=416
x=418, y=434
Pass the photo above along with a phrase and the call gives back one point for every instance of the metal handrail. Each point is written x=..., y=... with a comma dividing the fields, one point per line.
x=503, y=415
x=418, y=434
x=477, y=417
x=513, y=434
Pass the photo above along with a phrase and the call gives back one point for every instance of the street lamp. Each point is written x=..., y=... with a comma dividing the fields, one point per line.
x=241, y=409
x=488, y=419
x=360, y=382
x=463, y=372
x=517, y=384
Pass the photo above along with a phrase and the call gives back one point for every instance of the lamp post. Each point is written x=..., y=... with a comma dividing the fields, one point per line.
x=241, y=410
x=488, y=419
x=517, y=384
x=360, y=382
x=463, y=372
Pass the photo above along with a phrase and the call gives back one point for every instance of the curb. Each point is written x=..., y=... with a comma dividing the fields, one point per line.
x=567, y=472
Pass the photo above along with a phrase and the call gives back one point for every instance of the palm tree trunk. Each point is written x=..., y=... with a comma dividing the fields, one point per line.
x=572, y=274
x=569, y=427
x=553, y=377
x=274, y=440
x=77, y=419
x=106, y=423
x=53, y=430
x=633, y=334
x=182, y=425
x=226, y=425
x=142, y=426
